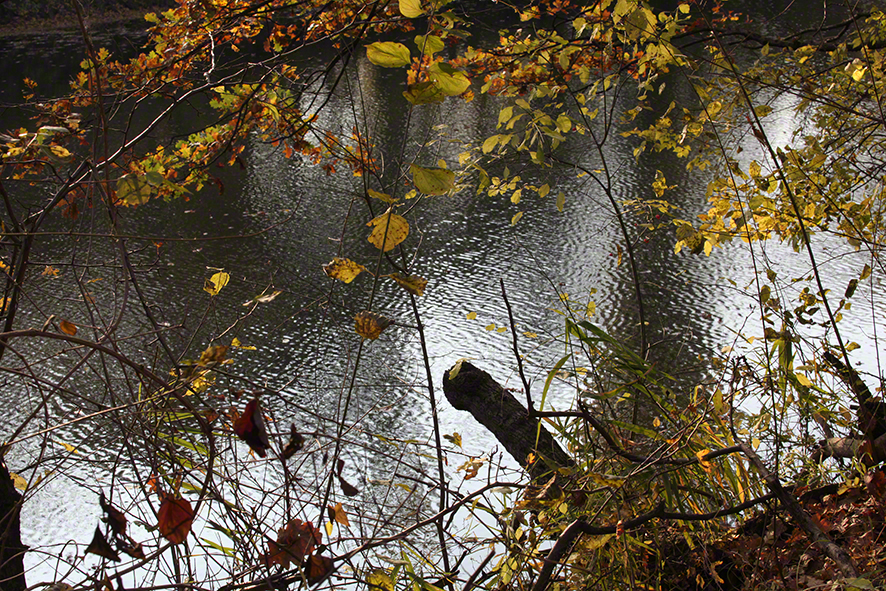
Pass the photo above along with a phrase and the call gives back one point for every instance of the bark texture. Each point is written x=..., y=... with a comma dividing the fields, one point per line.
x=495, y=408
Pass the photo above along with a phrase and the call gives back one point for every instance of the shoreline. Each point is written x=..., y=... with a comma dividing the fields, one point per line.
x=66, y=22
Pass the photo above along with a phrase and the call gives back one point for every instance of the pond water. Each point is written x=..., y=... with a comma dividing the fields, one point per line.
x=286, y=219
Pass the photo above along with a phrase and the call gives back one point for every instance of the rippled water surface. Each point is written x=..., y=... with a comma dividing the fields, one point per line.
x=292, y=218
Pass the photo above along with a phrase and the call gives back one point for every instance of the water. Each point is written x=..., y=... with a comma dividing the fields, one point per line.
x=286, y=219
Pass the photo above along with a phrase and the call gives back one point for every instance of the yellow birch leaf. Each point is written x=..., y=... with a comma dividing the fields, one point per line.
x=388, y=231
x=343, y=269
x=412, y=283
x=432, y=181
x=68, y=327
x=214, y=284
x=411, y=8
x=471, y=315
x=236, y=344
x=68, y=447
x=370, y=325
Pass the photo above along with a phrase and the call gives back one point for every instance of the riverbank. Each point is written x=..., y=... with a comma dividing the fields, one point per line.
x=25, y=17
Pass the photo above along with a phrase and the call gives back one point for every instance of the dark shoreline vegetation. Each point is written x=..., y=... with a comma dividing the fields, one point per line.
x=21, y=17
x=349, y=151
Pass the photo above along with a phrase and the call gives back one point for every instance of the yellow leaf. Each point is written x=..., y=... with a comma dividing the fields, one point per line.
x=389, y=230
x=238, y=345
x=68, y=447
x=471, y=315
x=19, y=482
x=343, y=269
x=60, y=152
x=803, y=380
x=388, y=54
x=68, y=327
x=699, y=455
x=411, y=8
x=412, y=283
x=490, y=326
x=340, y=515
x=370, y=325
x=329, y=528
x=379, y=195
x=432, y=181
x=501, y=329
x=379, y=580
x=47, y=272
x=530, y=335
x=214, y=284
x=516, y=218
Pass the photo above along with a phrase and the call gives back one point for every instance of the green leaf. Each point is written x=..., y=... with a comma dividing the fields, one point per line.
x=134, y=189
x=432, y=181
x=429, y=44
x=451, y=82
x=411, y=8
x=388, y=54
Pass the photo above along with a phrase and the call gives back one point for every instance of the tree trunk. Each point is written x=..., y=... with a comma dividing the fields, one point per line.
x=12, y=551
x=495, y=408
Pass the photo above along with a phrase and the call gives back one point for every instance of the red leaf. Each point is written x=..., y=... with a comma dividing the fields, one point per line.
x=250, y=427
x=175, y=518
x=317, y=568
x=294, y=543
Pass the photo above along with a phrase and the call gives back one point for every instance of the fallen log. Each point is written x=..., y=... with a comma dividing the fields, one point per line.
x=468, y=388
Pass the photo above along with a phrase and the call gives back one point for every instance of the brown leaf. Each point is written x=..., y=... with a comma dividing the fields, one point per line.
x=317, y=568
x=113, y=517
x=348, y=489
x=67, y=327
x=250, y=427
x=370, y=325
x=213, y=355
x=133, y=549
x=100, y=546
x=294, y=542
x=296, y=442
x=175, y=518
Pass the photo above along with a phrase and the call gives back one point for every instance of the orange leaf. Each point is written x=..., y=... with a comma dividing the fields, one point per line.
x=175, y=518
x=339, y=515
x=67, y=327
